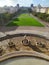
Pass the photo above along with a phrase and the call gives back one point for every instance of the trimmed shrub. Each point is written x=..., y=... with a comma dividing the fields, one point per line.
x=47, y=19
x=42, y=16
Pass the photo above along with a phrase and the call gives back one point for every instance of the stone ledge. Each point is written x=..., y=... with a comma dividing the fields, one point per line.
x=35, y=32
x=9, y=35
x=24, y=53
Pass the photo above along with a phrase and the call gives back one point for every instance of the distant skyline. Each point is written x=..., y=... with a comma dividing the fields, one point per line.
x=27, y=3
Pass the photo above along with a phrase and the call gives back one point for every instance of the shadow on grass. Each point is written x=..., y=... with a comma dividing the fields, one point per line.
x=16, y=19
x=10, y=24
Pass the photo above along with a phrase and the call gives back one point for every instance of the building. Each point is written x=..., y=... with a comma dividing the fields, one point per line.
x=2, y=10
x=40, y=9
x=11, y=9
x=8, y=9
x=43, y=9
x=47, y=10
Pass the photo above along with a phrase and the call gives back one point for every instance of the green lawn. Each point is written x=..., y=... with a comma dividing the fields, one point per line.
x=25, y=20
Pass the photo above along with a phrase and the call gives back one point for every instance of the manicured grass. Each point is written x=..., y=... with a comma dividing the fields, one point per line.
x=25, y=20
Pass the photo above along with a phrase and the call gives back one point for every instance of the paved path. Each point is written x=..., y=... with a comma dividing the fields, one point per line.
x=46, y=24
x=43, y=31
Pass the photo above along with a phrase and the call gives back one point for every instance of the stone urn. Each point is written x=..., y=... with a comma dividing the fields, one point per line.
x=25, y=41
x=11, y=44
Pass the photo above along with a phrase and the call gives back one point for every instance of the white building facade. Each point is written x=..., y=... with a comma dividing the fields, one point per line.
x=41, y=10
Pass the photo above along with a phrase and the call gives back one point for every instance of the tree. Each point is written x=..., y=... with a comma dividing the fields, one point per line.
x=30, y=10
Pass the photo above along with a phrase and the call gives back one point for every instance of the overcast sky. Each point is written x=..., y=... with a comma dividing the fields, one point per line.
x=24, y=2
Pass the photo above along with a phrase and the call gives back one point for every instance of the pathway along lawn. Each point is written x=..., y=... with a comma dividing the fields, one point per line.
x=25, y=20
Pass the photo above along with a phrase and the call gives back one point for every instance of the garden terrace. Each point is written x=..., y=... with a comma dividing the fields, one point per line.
x=25, y=20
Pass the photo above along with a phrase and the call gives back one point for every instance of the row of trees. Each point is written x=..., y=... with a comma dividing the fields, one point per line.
x=42, y=16
x=6, y=17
